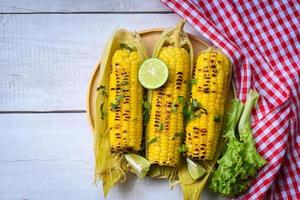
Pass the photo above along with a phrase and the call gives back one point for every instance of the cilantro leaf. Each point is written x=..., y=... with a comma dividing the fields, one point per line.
x=102, y=88
x=161, y=126
x=146, y=112
x=180, y=99
x=182, y=148
x=155, y=139
x=102, y=112
x=115, y=105
x=125, y=46
x=217, y=118
x=180, y=134
x=174, y=108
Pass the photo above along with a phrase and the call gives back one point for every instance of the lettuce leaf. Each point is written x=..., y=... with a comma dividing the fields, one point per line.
x=240, y=160
x=252, y=160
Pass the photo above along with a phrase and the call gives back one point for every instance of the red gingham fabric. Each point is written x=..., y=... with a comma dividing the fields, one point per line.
x=262, y=39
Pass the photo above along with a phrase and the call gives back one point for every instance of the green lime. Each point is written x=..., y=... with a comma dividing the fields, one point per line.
x=195, y=169
x=153, y=73
x=138, y=164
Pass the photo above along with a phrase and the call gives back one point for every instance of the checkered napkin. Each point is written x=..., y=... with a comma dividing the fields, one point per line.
x=262, y=39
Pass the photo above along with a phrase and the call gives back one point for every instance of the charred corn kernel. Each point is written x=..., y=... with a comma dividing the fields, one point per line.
x=125, y=102
x=166, y=118
x=212, y=74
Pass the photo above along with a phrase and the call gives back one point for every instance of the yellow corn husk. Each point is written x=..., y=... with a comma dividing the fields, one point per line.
x=166, y=119
x=111, y=167
x=211, y=82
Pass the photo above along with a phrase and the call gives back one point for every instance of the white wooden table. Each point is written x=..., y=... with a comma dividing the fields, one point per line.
x=48, y=50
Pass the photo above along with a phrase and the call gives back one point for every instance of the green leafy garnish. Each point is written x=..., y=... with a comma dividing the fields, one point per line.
x=155, y=139
x=195, y=105
x=180, y=134
x=192, y=110
x=192, y=82
x=125, y=46
x=182, y=148
x=174, y=108
x=180, y=99
x=217, y=118
x=115, y=105
x=240, y=160
x=187, y=113
x=102, y=112
x=161, y=126
x=102, y=88
x=119, y=98
x=125, y=83
x=146, y=112
x=146, y=105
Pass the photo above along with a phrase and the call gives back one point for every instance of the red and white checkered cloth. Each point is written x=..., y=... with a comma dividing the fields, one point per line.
x=262, y=39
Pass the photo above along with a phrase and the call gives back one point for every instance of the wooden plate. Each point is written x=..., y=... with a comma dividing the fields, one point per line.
x=149, y=37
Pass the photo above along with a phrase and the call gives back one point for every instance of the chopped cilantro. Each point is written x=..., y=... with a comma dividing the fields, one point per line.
x=180, y=99
x=187, y=113
x=195, y=105
x=125, y=83
x=117, y=102
x=192, y=82
x=217, y=118
x=146, y=112
x=174, y=108
x=102, y=112
x=102, y=88
x=180, y=134
x=146, y=105
x=182, y=148
x=192, y=110
x=153, y=140
x=161, y=127
x=113, y=106
x=119, y=98
x=125, y=46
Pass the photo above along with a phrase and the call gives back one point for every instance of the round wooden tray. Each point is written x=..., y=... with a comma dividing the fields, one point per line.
x=149, y=36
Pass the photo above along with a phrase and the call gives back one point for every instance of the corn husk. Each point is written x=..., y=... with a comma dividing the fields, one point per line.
x=176, y=37
x=111, y=168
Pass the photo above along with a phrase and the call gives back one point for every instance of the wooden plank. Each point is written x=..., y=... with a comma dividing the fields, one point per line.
x=49, y=156
x=29, y=6
x=46, y=60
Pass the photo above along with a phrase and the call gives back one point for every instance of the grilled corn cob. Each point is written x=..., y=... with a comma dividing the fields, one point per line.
x=165, y=126
x=125, y=102
x=211, y=83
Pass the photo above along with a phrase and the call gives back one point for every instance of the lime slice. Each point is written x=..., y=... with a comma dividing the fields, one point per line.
x=139, y=164
x=153, y=73
x=195, y=169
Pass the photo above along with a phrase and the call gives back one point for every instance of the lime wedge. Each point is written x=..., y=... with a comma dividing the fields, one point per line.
x=139, y=164
x=153, y=73
x=195, y=169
